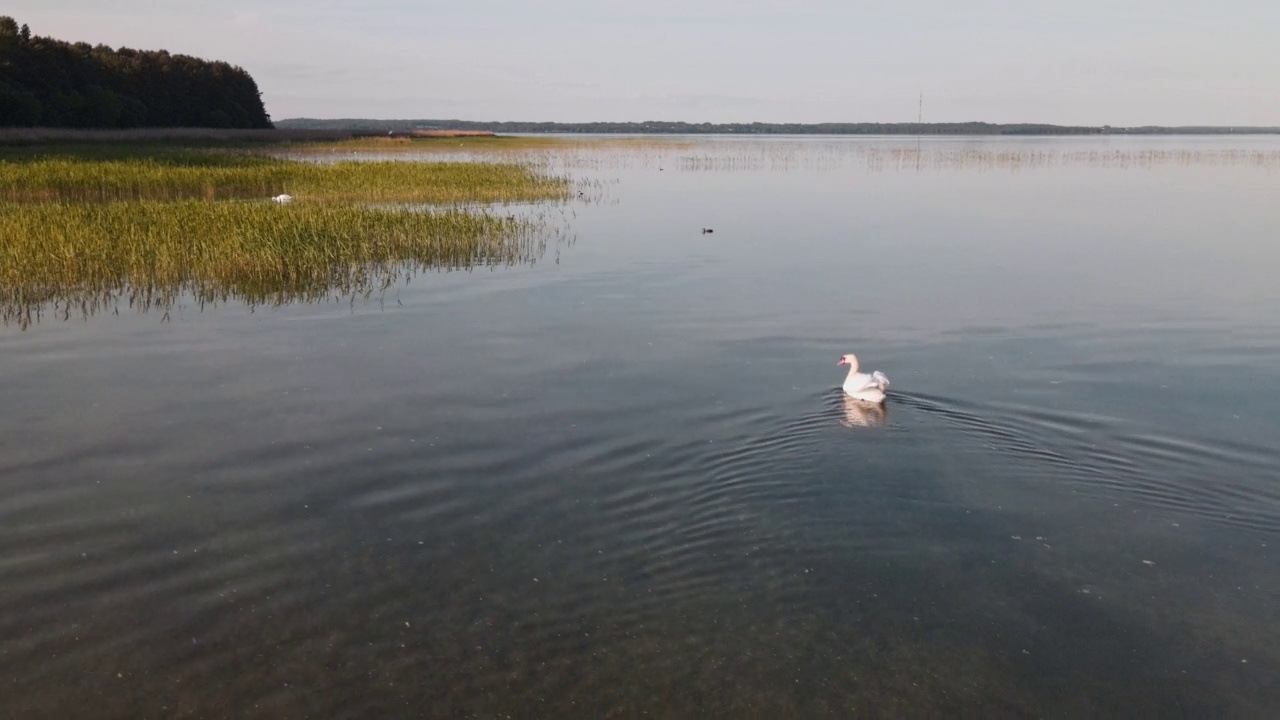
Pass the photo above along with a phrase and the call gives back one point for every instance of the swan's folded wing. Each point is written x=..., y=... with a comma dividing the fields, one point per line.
x=858, y=382
x=880, y=380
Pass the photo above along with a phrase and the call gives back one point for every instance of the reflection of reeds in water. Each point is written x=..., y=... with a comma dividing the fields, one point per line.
x=82, y=258
x=714, y=154
x=1015, y=160
x=836, y=156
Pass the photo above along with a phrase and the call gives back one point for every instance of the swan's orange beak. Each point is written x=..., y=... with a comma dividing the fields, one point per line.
x=841, y=361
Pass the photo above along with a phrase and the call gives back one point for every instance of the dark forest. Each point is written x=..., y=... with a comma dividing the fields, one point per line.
x=45, y=82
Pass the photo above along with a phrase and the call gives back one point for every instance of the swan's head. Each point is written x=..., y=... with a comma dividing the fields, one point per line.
x=851, y=360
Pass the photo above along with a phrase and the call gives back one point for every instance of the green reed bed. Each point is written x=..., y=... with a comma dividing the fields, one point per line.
x=79, y=257
x=430, y=144
x=216, y=175
x=495, y=146
x=84, y=226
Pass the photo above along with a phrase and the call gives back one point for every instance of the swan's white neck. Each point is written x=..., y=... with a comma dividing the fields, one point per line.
x=861, y=386
x=855, y=378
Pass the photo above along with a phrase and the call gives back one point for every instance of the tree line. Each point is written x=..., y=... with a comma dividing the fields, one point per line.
x=46, y=82
x=688, y=128
x=760, y=128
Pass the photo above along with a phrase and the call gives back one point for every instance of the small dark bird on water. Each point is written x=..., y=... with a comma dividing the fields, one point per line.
x=707, y=230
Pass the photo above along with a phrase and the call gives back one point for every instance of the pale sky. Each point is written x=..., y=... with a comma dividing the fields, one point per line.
x=1089, y=62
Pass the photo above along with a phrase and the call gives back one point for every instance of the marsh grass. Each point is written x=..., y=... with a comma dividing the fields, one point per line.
x=86, y=226
x=122, y=173
x=84, y=257
x=495, y=143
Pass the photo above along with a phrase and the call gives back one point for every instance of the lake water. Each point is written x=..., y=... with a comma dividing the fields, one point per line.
x=622, y=480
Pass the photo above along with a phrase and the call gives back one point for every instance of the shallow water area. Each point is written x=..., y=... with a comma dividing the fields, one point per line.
x=619, y=478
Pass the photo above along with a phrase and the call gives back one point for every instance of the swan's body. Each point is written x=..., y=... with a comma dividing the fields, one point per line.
x=282, y=199
x=861, y=386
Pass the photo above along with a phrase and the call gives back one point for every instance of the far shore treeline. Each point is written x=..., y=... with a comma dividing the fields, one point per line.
x=756, y=128
x=46, y=82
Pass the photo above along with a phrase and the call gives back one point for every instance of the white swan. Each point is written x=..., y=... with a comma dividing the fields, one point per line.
x=861, y=386
x=282, y=199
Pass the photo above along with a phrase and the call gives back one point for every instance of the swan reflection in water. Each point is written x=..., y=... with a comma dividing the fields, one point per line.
x=860, y=413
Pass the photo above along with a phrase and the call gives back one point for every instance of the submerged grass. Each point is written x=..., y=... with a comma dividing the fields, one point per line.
x=80, y=257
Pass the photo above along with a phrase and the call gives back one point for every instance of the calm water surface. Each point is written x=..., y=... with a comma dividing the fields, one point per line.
x=622, y=480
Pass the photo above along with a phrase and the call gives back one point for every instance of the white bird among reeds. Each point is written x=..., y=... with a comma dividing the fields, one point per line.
x=282, y=199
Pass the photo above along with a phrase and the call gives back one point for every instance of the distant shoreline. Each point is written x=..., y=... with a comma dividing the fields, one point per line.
x=367, y=125
x=289, y=131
